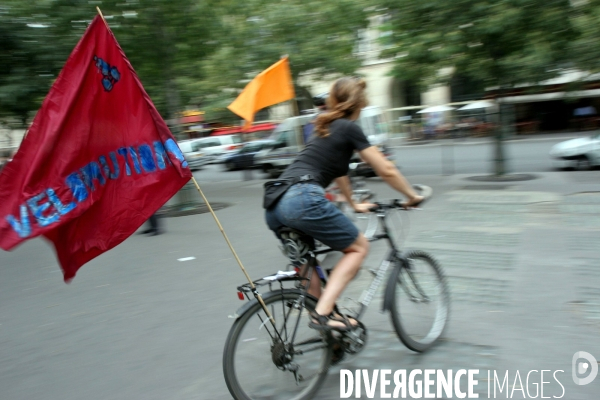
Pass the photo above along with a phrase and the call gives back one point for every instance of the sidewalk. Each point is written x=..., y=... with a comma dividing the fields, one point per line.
x=523, y=264
x=397, y=141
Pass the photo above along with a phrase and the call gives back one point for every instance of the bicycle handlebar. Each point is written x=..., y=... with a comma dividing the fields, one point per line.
x=423, y=190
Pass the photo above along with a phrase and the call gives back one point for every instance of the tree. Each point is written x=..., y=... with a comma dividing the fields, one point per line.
x=186, y=52
x=164, y=40
x=499, y=43
x=318, y=36
x=584, y=48
x=25, y=66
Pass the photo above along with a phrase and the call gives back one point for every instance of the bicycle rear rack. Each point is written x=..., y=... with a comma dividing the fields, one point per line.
x=276, y=278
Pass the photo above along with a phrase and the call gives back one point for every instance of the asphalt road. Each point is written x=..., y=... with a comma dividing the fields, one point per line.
x=458, y=158
x=148, y=319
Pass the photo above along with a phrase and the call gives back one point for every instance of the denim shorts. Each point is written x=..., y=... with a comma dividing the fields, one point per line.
x=305, y=208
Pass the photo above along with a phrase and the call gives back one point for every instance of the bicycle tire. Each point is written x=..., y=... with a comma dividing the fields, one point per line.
x=240, y=390
x=421, y=341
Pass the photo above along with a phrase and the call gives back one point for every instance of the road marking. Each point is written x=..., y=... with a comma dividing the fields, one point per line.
x=108, y=284
x=186, y=259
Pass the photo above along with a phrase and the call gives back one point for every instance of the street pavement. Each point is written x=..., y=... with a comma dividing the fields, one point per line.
x=402, y=140
x=140, y=322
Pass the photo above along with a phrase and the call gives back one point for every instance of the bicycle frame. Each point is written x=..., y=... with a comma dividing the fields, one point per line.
x=394, y=256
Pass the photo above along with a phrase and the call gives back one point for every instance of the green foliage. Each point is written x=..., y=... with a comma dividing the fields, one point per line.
x=215, y=108
x=495, y=42
x=318, y=36
x=163, y=40
x=25, y=68
x=585, y=47
x=186, y=52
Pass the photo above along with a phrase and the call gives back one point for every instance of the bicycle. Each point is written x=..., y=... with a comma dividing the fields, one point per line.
x=275, y=355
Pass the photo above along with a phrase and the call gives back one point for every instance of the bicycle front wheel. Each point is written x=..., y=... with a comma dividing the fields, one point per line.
x=420, y=306
x=287, y=362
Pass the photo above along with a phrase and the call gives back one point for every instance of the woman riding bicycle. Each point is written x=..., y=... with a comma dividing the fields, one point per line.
x=304, y=207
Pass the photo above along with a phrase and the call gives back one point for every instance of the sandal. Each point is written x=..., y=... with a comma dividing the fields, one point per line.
x=322, y=322
x=352, y=321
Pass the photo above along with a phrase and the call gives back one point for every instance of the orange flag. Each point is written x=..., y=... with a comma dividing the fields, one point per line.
x=271, y=86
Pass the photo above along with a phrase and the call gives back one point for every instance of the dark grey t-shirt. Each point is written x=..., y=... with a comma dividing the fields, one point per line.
x=328, y=158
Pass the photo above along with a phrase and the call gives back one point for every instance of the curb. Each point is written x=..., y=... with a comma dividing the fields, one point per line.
x=443, y=142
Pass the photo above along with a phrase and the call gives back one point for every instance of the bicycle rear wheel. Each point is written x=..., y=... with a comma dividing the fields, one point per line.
x=291, y=362
x=420, y=306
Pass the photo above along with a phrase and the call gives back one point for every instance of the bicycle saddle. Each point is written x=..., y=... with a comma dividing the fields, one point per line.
x=296, y=245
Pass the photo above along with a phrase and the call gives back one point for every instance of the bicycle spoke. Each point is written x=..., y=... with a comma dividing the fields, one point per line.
x=420, y=307
x=264, y=367
x=264, y=325
x=283, y=327
x=417, y=287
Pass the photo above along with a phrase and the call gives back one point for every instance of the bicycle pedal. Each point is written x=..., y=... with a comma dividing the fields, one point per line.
x=355, y=340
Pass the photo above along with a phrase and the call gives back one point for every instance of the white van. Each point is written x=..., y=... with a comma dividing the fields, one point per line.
x=290, y=136
x=214, y=147
x=193, y=153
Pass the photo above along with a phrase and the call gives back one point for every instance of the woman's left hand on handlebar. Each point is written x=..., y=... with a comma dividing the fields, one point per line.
x=363, y=207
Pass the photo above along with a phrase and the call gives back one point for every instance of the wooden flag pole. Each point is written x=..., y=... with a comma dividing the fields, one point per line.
x=101, y=16
x=223, y=232
x=257, y=295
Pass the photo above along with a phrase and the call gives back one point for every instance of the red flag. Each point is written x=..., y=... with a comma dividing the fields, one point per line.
x=97, y=161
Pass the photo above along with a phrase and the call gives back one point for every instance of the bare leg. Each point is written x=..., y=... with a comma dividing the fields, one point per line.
x=342, y=274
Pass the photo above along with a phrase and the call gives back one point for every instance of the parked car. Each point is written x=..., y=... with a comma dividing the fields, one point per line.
x=244, y=158
x=216, y=146
x=193, y=153
x=581, y=153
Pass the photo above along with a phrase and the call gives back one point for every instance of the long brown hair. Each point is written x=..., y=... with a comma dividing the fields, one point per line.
x=345, y=97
